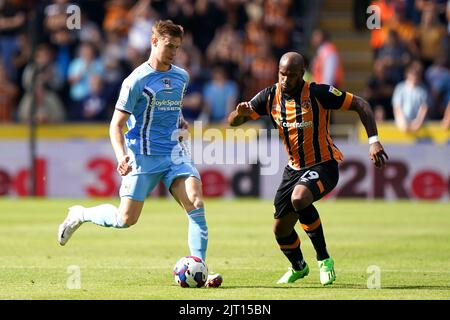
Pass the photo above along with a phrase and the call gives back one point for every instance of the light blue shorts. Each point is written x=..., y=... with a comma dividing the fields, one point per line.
x=149, y=170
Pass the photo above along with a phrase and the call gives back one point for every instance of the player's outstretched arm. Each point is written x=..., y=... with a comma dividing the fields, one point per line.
x=376, y=150
x=118, y=142
x=241, y=114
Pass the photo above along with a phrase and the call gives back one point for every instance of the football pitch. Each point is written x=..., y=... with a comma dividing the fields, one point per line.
x=402, y=246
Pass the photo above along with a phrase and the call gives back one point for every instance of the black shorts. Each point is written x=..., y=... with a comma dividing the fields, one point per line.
x=320, y=179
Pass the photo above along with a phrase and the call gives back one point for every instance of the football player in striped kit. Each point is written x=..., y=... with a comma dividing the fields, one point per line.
x=301, y=112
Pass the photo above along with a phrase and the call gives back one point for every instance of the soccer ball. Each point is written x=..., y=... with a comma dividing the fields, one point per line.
x=190, y=272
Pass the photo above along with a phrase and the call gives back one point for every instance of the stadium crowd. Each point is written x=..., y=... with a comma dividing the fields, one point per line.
x=234, y=52
x=411, y=76
x=231, y=49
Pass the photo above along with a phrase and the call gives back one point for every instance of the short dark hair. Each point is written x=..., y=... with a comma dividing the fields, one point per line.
x=415, y=67
x=167, y=28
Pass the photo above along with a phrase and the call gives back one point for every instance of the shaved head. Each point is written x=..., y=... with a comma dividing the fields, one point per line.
x=290, y=72
x=293, y=61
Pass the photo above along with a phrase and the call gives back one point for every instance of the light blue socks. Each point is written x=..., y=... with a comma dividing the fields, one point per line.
x=198, y=233
x=105, y=215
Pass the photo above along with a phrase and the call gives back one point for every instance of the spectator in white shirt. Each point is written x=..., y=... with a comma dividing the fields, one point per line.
x=410, y=100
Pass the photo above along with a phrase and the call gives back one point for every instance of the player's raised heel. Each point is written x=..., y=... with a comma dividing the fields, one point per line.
x=214, y=280
x=293, y=275
x=327, y=274
x=72, y=222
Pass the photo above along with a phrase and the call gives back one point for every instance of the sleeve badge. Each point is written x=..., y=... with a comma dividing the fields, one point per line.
x=335, y=91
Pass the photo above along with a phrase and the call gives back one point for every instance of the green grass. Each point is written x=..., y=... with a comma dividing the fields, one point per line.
x=408, y=241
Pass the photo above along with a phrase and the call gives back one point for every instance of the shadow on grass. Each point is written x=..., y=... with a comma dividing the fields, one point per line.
x=342, y=286
x=299, y=286
x=418, y=287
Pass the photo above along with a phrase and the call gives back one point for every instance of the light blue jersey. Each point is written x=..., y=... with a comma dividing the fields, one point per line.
x=154, y=100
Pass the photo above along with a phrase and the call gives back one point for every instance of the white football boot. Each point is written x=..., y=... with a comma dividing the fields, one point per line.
x=72, y=222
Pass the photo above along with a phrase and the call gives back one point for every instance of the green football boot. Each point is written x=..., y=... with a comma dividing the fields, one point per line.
x=326, y=268
x=293, y=275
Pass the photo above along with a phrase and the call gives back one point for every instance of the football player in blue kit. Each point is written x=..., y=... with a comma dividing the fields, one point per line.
x=150, y=104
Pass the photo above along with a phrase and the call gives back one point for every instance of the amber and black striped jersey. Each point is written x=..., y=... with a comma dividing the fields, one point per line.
x=303, y=121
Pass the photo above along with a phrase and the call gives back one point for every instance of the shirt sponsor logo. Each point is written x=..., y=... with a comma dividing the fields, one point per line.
x=301, y=125
x=167, y=103
x=306, y=104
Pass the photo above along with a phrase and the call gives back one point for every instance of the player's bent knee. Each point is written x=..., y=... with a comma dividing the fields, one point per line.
x=301, y=198
x=302, y=192
x=194, y=203
x=301, y=203
x=198, y=203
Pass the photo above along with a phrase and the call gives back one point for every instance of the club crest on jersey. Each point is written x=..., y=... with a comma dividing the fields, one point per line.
x=166, y=82
x=335, y=91
x=306, y=104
